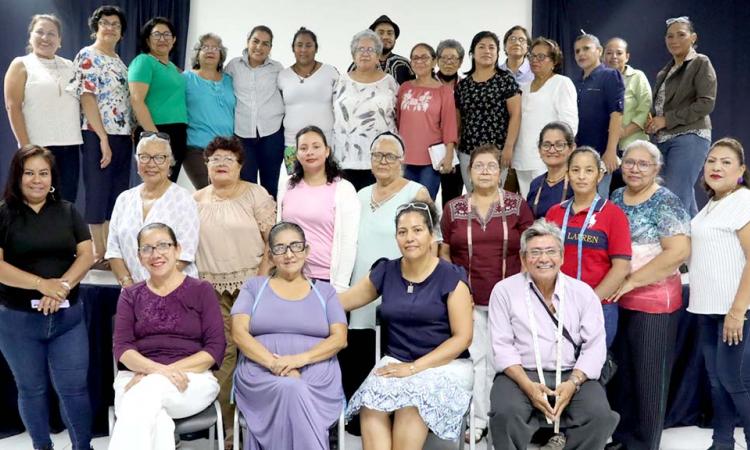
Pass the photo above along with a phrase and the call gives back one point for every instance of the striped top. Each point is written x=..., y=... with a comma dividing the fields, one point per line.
x=717, y=260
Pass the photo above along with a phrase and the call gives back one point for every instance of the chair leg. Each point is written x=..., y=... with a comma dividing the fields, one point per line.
x=472, y=426
x=236, y=429
x=219, y=426
x=342, y=431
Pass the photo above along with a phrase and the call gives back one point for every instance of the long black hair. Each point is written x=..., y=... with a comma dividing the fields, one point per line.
x=475, y=41
x=13, y=194
x=332, y=168
x=148, y=27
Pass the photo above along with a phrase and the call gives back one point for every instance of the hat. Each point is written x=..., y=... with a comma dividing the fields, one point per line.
x=386, y=19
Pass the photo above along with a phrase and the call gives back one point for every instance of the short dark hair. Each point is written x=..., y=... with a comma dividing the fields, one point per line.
x=332, y=168
x=555, y=53
x=301, y=31
x=736, y=148
x=148, y=27
x=516, y=28
x=425, y=46
x=560, y=126
x=475, y=41
x=107, y=10
x=426, y=210
x=229, y=143
x=13, y=194
x=485, y=149
x=262, y=28
x=157, y=226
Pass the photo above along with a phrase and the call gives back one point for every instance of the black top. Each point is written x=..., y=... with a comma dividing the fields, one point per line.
x=42, y=243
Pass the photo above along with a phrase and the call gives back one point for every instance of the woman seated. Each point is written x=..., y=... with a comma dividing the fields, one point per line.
x=288, y=381
x=169, y=335
x=426, y=376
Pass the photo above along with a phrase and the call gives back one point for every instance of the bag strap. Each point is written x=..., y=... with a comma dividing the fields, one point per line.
x=566, y=334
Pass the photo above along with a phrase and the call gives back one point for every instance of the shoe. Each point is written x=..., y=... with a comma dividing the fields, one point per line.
x=479, y=433
x=614, y=445
x=556, y=442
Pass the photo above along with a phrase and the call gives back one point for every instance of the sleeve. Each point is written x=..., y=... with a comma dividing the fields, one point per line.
x=212, y=324
x=378, y=272
x=704, y=84
x=140, y=70
x=124, y=333
x=451, y=276
x=345, y=233
x=615, y=92
x=80, y=227
x=246, y=297
x=85, y=76
x=229, y=69
x=593, y=338
x=554, y=215
x=525, y=216
x=115, y=223
x=671, y=217
x=334, y=311
x=533, y=186
x=445, y=224
x=509, y=86
x=504, y=353
x=643, y=100
x=4, y=224
x=741, y=214
x=402, y=72
x=566, y=103
x=264, y=210
x=618, y=234
x=448, y=123
x=457, y=94
x=187, y=227
x=399, y=98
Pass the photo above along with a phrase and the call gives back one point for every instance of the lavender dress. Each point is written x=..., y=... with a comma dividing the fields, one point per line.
x=286, y=412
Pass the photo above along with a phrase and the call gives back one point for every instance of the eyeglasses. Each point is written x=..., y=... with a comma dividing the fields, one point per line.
x=557, y=146
x=216, y=160
x=449, y=59
x=159, y=134
x=539, y=57
x=107, y=24
x=295, y=247
x=489, y=167
x=422, y=206
x=159, y=160
x=642, y=165
x=390, y=158
x=517, y=39
x=423, y=58
x=210, y=48
x=550, y=252
x=161, y=247
x=161, y=36
x=681, y=19
x=48, y=35
x=364, y=50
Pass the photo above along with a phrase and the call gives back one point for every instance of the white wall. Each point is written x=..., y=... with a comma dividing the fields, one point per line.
x=336, y=21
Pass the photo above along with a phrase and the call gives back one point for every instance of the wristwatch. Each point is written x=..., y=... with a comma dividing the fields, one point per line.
x=576, y=381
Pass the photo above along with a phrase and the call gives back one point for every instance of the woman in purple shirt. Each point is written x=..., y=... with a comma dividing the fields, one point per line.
x=169, y=334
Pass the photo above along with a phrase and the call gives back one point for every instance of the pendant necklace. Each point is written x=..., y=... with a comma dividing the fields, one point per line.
x=302, y=76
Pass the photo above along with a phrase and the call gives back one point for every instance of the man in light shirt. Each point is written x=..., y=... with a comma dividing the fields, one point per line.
x=524, y=339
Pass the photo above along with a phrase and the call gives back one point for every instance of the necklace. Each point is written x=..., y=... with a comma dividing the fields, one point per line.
x=714, y=201
x=54, y=70
x=552, y=182
x=303, y=76
x=375, y=204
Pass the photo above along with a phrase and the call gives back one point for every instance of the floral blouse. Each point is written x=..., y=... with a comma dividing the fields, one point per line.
x=484, y=114
x=107, y=78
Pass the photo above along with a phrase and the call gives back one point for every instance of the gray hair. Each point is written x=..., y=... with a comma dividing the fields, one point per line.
x=367, y=34
x=197, y=49
x=154, y=139
x=645, y=145
x=451, y=43
x=538, y=229
x=388, y=136
x=590, y=37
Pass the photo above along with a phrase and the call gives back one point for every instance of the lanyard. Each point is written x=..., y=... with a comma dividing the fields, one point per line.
x=559, y=336
x=505, y=231
x=583, y=228
x=539, y=192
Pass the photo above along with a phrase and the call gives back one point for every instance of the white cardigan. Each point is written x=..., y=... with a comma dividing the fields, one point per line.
x=345, y=230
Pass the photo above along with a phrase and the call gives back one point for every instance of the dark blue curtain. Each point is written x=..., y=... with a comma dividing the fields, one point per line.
x=74, y=14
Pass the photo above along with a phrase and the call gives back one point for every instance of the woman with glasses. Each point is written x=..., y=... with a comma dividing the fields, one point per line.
x=364, y=105
x=516, y=45
x=450, y=54
x=231, y=211
x=157, y=88
x=40, y=111
x=157, y=199
x=169, y=337
x=210, y=104
x=556, y=142
x=650, y=297
x=289, y=328
x=325, y=206
x=426, y=116
x=549, y=97
x=424, y=380
x=481, y=233
x=684, y=96
x=101, y=83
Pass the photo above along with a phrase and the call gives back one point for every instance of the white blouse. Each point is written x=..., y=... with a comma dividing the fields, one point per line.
x=307, y=101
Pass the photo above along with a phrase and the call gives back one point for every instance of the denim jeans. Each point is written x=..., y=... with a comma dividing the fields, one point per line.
x=264, y=155
x=603, y=187
x=424, y=175
x=728, y=370
x=611, y=315
x=41, y=348
x=683, y=162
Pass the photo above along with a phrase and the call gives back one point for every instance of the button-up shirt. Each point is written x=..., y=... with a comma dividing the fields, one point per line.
x=510, y=330
x=523, y=74
x=260, y=107
x=599, y=95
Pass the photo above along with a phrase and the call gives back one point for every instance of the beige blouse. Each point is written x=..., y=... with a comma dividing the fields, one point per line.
x=231, y=235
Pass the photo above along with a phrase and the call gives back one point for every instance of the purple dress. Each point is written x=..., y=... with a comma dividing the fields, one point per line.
x=286, y=412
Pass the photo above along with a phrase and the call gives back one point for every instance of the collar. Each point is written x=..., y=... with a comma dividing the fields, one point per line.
x=629, y=71
x=559, y=284
x=523, y=69
x=597, y=207
x=596, y=70
x=692, y=54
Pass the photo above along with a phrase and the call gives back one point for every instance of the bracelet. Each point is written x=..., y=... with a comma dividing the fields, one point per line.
x=740, y=319
x=124, y=279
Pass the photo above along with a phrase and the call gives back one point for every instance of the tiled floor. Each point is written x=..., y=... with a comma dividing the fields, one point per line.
x=687, y=438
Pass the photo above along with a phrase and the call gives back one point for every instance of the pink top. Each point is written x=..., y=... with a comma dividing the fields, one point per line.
x=314, y=209
x=426, y=116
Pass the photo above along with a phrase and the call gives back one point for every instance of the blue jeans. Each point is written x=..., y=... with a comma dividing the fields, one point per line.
x=264, y=155
x=728, y=370
x=683, y=162
x=41, y=348
x=611, y=315
x=424, y=175
x=603, y=187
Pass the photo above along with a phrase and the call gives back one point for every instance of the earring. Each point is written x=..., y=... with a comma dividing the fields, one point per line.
x=52, y=190
x=741, y=180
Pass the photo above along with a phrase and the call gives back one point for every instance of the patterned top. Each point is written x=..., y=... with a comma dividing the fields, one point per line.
x=107, y=78
x=484, y=114
x=361, y=111
x=660, y=216
x=661, y=98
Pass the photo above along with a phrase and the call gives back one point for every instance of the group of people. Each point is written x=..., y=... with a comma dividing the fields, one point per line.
x=516, y=296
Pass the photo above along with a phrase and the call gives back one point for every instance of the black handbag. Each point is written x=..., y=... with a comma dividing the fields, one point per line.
x=610, y=366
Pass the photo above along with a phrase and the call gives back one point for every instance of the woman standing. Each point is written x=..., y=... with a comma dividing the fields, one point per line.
x=489, y=105
x=481, y=233
x=556, y=142
x=101, y=84
x=325, y=206
x=157, y=88
x=516, y=44
x=364, y=105
x=210, y=104
x=45, y=251
x=426, y=113
x=684, y=96
x=549, y=97
x=650, y=298
x=307, y=89
x=450, y=54
x=720, y=287
x=40, y=111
